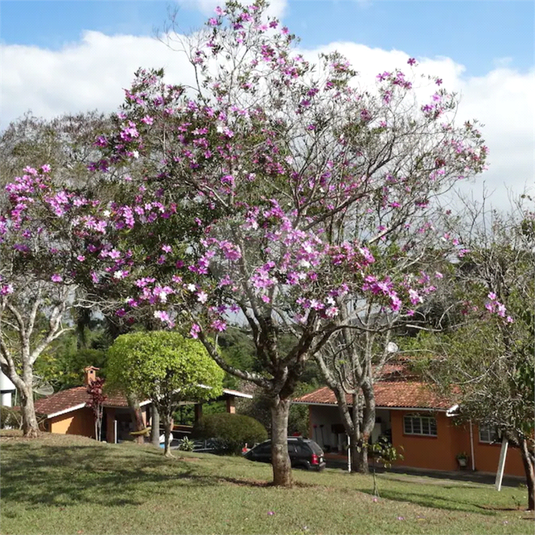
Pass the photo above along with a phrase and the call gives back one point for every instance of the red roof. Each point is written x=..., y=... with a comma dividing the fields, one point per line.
x=388, y=394
x=66, y=400
x=72, y=399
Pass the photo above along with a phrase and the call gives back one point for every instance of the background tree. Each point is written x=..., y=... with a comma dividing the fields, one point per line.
x=66, y=143
x=275, y=159
x=42, y=263
x=164, y=367
x=353, y=358
x=488, y=359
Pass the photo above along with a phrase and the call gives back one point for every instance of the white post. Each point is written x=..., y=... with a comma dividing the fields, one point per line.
x=501, y=464
x=472, y=448
x=115, y=429
x=348, y=454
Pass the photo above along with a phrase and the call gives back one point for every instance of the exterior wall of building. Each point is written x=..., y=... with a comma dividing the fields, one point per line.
x=420, y=451
x=432, y=452
x=487, y=457
x=79, y=422
x=110, y=425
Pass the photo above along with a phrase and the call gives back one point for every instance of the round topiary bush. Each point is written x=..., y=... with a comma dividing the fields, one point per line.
x=229, y=432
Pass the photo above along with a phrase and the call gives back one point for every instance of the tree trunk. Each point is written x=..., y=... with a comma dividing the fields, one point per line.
x=30, y=427
x=168, y=425
x=361, y=457
x=282, y=469
x=155, y=437
x=528, y=461
x=137, y=418
x=367, y=425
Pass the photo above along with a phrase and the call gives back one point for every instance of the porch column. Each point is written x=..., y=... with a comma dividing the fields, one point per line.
x=110, y=426
x=231, y=404
x=198, y=411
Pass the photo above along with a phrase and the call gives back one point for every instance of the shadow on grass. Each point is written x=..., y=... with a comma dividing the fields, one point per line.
x=449, y=503
x=60, y=476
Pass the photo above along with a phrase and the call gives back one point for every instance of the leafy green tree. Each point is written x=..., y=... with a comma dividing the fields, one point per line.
x=165, y=367
x=489, y=358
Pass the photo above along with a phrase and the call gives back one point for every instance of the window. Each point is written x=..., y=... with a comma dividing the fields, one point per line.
x=488, y=434
x=414, y=424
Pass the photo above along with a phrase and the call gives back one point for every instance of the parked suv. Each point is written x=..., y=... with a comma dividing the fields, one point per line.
x=303, y=452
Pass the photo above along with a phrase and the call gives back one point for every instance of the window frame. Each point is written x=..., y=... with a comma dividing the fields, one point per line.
x=491, y=431
x=425, y=423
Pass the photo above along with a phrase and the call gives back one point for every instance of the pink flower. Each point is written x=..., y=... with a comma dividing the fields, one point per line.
x=56, y=278
x=195, y=330
x=6, y=289
x=202, y=297
x=219, y=325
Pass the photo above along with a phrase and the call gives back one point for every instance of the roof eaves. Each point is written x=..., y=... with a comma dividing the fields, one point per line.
x=65, y=411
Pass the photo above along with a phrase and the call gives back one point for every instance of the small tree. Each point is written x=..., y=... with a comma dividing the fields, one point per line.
x=165, y=367
x=98, y=397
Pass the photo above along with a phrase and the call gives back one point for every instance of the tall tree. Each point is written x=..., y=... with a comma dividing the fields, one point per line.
x=42, y=261
x=489, y=357
x=272, y=161
x=164, y=367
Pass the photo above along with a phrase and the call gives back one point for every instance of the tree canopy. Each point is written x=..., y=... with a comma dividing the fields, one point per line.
x=164, y=367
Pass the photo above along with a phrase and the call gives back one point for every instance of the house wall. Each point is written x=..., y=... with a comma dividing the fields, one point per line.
x=488, y=455
x=79, y=422
x=436, y=453
x=439, y=453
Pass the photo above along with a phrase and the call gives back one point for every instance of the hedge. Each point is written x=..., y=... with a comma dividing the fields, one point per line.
x=229, y=432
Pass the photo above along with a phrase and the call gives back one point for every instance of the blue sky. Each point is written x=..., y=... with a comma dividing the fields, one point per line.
x=475, y=33
x=60, y=57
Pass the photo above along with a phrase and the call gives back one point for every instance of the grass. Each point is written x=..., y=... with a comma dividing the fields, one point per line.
x=72, y=485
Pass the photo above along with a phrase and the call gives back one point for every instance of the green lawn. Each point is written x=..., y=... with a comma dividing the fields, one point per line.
x=72, y=485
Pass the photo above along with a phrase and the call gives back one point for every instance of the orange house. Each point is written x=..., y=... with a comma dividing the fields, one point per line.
x=418, y=423
x=67, y=412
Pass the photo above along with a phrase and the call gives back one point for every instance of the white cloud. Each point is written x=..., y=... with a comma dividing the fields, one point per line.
x=276, y=7
x=92, y=72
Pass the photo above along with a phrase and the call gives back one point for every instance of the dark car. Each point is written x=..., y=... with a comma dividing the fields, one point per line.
x=303, y=452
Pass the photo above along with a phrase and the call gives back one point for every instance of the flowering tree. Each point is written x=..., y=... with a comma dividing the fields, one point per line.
x=285, y=176
x=42, y=261
x=354, y=356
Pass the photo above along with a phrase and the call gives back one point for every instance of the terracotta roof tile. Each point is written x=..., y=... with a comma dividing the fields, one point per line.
x=388, y=394
x=66, y=399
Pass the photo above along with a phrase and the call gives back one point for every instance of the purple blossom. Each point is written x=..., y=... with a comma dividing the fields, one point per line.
x=6, y=289
x=219, y=325
x=56, y=277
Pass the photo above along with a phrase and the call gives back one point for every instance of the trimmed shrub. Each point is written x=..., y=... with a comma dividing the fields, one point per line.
x=229, y=432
